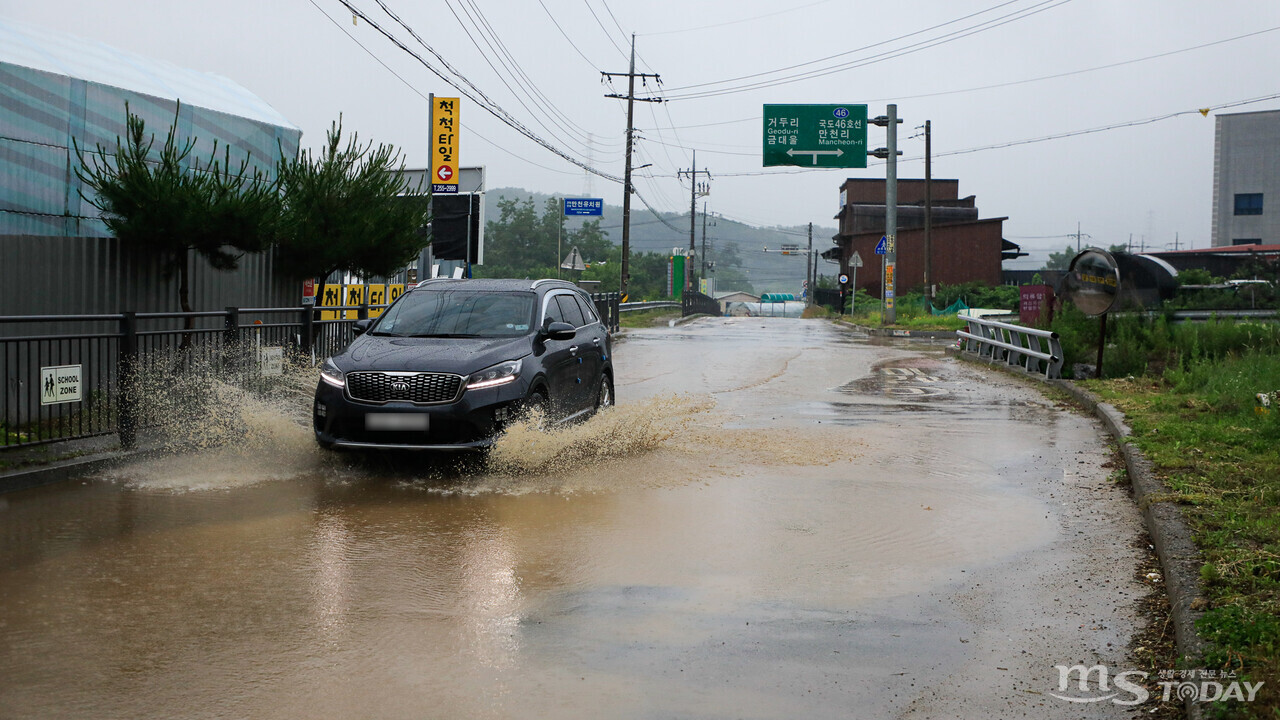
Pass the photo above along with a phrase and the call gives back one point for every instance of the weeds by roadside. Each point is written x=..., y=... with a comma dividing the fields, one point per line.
x=648, y=318
x=1218, y=451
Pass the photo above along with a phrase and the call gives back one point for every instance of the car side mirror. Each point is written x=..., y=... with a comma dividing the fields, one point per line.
x=559, y=331
x=362, y=326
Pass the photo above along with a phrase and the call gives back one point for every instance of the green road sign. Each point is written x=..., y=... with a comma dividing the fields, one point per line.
x=825, y=136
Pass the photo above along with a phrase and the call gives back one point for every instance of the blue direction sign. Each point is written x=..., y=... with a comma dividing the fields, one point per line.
x=880, y=245
x=584, y=206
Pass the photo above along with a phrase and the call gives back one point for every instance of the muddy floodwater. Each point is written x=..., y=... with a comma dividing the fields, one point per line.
x=781, y=519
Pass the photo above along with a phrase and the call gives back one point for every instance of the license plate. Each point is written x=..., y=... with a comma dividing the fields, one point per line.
x=396, y=421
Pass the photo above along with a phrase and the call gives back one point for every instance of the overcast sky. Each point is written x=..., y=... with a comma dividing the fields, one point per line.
x=978, y=69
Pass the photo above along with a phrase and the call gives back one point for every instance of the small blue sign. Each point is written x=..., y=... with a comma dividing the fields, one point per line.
x=880, y=245
x=584, y=206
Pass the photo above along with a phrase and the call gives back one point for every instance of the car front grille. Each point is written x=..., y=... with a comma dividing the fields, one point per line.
x=421, y=388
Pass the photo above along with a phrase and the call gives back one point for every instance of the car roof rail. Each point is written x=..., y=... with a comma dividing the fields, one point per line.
x=436, y=279
x=536, y=283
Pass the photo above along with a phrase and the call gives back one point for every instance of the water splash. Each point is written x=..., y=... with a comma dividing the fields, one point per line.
x=212, y=425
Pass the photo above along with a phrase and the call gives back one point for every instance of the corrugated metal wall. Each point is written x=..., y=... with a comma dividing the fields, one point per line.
x=94, y=275
x=43, y=116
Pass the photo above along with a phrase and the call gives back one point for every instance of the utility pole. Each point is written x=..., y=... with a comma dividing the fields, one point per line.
x=890, y=122
x=696, y=190
x=809, y=265
x=704, y=238
x=928, y=214
x=625, y=274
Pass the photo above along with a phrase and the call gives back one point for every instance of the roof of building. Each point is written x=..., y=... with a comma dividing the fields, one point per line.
x=732, y=293
x=1230, y=249
x=936, y=226
x=60, y=54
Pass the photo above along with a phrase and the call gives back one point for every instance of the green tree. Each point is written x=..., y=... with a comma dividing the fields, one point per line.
x=349, y=208
x=172, y=205
x=591, y=241
x=518, y=243
x=1060, y=261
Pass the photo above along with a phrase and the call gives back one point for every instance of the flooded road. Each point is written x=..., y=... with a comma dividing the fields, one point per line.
x=781, y=519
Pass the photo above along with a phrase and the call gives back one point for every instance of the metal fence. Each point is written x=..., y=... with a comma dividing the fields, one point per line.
x=62, y=382
x=73, y=376
x=609, y=308
x=832, y=299
x=1038, y=351
x=695, y=303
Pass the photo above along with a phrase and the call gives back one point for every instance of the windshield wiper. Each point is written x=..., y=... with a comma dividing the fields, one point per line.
x=446, y=335
x=386, y=334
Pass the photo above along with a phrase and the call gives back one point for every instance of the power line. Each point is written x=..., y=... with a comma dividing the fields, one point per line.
x=1025, y=81
x=884, y=55
x=568, y=39
x=419, y=93
x=1104, y=128
x=488, y=105
x=1029, y=141
x=522, y=79
x=735, y=22
x=1080, y=71
x=607, y=34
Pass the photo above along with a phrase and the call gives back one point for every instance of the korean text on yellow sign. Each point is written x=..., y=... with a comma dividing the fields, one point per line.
x=446, y=124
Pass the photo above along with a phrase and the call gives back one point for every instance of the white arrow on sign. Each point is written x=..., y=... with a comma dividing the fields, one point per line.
x=815, y=153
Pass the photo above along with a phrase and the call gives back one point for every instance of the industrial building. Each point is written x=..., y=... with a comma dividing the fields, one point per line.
x=1246, y=179
x=59, y=92
x=965, y=247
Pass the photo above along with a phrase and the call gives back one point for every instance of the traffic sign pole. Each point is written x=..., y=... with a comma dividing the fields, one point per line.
x=891, y=216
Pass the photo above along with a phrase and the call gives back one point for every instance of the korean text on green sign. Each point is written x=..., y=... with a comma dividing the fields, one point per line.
x=824, y=136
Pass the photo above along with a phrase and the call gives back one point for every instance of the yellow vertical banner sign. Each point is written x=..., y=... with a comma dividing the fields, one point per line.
x=393, y=292
x=377, y=296
x=330, y=296
x=445, y=127
x=355, y=296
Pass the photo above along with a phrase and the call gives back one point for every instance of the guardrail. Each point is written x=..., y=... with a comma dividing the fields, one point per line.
x=630, y=306
x=1037, y=351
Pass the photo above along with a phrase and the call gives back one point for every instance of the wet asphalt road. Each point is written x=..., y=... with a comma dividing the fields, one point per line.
x=781, y=519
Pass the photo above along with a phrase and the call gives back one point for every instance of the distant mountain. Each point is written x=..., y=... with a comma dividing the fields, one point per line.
x=768, y=271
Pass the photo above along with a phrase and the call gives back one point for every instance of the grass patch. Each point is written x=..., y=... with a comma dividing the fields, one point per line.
x=908, y=321
x=1199, y=425
x=648, y=318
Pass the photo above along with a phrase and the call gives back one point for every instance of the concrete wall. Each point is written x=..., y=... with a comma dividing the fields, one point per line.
x=1246, y=159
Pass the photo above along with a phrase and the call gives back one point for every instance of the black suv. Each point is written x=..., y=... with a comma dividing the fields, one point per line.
x=452, y=361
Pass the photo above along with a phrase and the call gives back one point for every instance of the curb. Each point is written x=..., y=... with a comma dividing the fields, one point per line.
x=1169, y=531
x=60, y=471
x=897, y=333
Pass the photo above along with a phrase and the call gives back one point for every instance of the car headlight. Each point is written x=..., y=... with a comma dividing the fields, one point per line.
x=500, y=374
x=332, y=375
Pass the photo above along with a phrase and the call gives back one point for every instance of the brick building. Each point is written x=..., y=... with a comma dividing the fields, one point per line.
x=966, y=247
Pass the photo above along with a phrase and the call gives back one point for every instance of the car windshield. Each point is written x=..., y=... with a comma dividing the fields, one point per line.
x=458, y=313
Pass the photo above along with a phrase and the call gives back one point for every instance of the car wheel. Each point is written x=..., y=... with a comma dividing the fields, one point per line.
x=605, y=398
x=537, y=400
